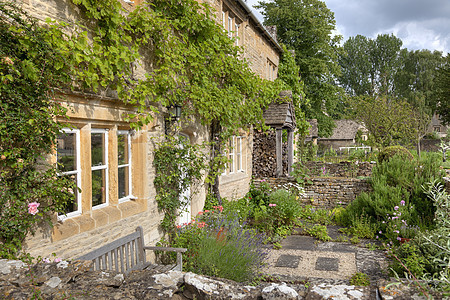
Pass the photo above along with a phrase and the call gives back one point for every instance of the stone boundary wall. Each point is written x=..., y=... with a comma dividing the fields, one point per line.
x=325, y=192
x=342, y=169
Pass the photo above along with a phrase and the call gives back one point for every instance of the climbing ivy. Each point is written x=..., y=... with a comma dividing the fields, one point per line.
x=193, y=61
x=30, y=189
x=179, y=166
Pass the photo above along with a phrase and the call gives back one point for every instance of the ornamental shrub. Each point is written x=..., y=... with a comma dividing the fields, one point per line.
x=30, y=189
x=397, y=183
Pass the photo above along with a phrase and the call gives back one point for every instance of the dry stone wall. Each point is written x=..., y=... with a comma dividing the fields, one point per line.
x=325, y=192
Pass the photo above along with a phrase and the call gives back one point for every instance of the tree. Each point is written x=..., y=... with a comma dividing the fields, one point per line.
x=389, y=121
x=369, y=66
x=306, y=26
x=442, y=92
x=416, y=76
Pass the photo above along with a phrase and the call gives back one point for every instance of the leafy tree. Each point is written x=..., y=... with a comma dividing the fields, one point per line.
x=415, y=79
x=306, y=26
x=442, y=92
x=289, y=74
x=388, y=120
x=369, y=66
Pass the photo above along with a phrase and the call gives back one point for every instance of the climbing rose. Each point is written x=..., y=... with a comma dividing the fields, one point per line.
x=33, y=208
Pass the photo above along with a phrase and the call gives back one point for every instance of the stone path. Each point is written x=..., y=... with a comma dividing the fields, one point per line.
x=306, y=257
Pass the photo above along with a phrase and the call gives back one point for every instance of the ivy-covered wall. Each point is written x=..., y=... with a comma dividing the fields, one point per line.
x=102, y=109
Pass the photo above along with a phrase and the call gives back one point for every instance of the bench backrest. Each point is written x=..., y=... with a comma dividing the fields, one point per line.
x=123, y=255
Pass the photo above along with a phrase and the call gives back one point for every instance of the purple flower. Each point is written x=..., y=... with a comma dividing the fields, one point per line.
x=395, y=207
x=380, y=232
x=402, y=203
x=376, y=237
x=399, y=238
x=394, y=218
x=396, y=231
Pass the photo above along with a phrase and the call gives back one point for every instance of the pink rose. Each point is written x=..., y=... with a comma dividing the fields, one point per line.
x=33, y=208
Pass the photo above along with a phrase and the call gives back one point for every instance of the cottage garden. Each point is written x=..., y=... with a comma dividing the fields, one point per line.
x=405, y=214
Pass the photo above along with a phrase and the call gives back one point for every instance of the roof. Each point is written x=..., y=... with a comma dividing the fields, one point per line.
x=345, y=130
x=281, y=114
x=261, y=27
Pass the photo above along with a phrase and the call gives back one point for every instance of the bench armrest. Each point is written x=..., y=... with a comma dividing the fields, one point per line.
x=179, y=266
x=165, y=249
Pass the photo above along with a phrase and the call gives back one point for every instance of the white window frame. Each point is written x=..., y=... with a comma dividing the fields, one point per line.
x=236, y=27
x=105, y=167
x=77, y=173
x=231, y=157
x=230, y=27
x=239, y=167
x=130, y=183
x=224, y=18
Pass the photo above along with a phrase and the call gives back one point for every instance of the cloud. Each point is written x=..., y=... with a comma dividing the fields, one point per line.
x=421, y=24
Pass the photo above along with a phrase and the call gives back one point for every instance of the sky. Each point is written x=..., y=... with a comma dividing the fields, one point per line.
x=420, y=24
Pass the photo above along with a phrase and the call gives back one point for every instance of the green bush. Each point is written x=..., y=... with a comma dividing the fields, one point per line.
x=397, y=188
x=286, y=208
x=407, y=255
x=389, y=152
x=219, y=246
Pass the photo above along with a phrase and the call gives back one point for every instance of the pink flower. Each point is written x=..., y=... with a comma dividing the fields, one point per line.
x=272, y=205
x=200, y=213
x=399, y=238
x=57, y=260
x=395, y=207
x=33, y=208
x=402, y=202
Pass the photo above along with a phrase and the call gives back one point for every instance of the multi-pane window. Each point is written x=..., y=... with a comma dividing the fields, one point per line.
x=99, y=167
x=239, y=154
x=124, y=164
x=231, y=155
x=68, y=164
x=236, y=27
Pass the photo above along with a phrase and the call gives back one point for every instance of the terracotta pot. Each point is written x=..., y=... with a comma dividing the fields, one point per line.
x=221, y=234
x=404, y=240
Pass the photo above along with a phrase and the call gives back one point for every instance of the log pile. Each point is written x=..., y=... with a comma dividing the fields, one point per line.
x=264, y=155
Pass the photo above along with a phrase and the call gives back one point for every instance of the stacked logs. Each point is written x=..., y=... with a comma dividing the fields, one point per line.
x=264, y=155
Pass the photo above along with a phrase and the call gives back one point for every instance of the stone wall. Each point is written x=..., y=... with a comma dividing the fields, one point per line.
x=342, y=169
x=325, y=192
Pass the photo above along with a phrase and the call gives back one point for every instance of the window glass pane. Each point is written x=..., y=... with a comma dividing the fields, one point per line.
x=123, y=182
x=97, y=149
x=71, y=205
x=66, y=152
x=98, y=187
x=122, y=149
x=238, y=154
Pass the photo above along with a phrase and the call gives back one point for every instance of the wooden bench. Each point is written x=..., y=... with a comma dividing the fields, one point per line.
x=128, y=254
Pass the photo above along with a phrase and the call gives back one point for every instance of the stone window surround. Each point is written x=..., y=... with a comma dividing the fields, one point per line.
x=232, y=24
x=88, y=217
x=235, y=167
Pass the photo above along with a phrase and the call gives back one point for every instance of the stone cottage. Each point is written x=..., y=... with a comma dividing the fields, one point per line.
x=344, y=135
x=112, y=164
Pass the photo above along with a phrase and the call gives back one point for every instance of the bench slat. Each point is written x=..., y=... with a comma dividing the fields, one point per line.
x=127, y=254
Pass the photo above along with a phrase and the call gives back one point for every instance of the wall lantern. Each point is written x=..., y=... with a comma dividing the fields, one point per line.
x=174, y=116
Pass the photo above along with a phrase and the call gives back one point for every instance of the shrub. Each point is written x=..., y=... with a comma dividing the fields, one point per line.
x=286, y=208
x=397, y=184
x=360, y=279
x=407, y=255
x=319, y=231
x=389, y=152
x=237, y=256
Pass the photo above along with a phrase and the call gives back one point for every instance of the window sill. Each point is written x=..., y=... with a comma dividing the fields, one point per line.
x=98, y=217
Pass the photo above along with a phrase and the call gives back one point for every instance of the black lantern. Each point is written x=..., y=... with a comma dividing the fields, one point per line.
x=174, y=115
